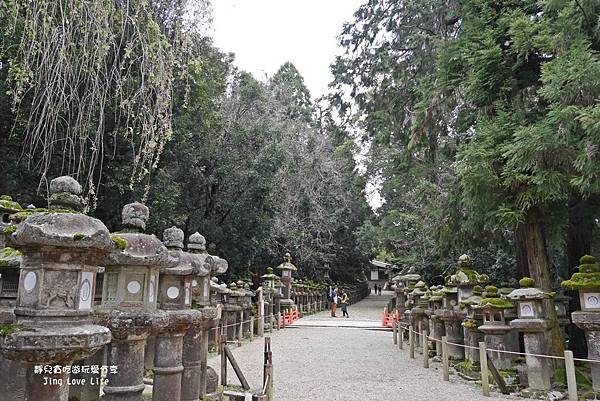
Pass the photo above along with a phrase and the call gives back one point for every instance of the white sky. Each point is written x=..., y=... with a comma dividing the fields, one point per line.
x=264, y=34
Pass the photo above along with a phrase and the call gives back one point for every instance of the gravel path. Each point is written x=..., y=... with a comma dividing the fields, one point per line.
x=347, y=363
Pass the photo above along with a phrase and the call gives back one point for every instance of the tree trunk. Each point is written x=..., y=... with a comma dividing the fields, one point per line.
x=535, y=244
x=579, y=232
x=539, y=271
x=521, y=252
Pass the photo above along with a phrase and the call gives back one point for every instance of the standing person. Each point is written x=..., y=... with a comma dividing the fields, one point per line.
x=345, y=300
x=379, y=289
x=375, y=289
x=334, y=301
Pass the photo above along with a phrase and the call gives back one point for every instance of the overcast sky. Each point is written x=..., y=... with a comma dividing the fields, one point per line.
x=264, y=34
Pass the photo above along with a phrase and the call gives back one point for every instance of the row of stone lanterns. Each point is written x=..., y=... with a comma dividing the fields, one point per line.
x=466, y=314
x=148, y=289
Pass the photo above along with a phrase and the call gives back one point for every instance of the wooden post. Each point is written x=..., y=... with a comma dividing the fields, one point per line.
x=251, y=328
x=395, y=330
x=424, y=333
x=485, y=379
x=261, y=313
x=218, y=330
x=571, y=381
x=411, y=342
x=400, y=336
x=223, y=358
x=268, y=370
x=241, y=329
x=445, y=361
x=236, y=368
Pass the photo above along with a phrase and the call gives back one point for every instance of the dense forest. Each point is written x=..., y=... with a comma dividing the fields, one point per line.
x=135, y=102
x=480, y=119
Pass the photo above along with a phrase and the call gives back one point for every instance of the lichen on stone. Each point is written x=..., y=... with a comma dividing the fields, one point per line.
x=9, y=204
x=119, y=241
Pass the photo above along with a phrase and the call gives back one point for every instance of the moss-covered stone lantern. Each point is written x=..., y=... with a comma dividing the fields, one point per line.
x=498, y=335
x=62, y=250
x=451, y=315
x=435, y=322
x=466, y=278
x=474, y=318
x=587, y=283
x=533, y=322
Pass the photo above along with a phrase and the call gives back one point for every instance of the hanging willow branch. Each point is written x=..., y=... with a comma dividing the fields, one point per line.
x=87, y=70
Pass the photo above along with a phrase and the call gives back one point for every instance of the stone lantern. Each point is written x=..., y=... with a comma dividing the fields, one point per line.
x=61, y=252
x=400, y=299
x=175, y=298
x=498, y=335
x=474, y=318
x=466, y=278
x=232, y=310
x=435, y=322
x=268, y=285
x=286, y=279
x=129, y=301
x=587, y=282
x=418, y=315
x=201, y=283
x=451, y=315
x=533, y=322
x=245, y=302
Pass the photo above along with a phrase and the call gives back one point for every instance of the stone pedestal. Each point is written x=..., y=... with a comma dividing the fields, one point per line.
x=90, y=391
x=589, y=322
x=168, y=367
x=128, y=355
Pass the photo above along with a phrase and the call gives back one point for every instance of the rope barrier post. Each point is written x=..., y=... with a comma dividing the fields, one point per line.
x=445, y=361
x=395, y=330
x=240, y=334
x=261, y=313
x=485, y=379
x=570, y=370
x=400, y=336
x=251, y=328
x=223, y=339
x=425, y=349
x=411, y=342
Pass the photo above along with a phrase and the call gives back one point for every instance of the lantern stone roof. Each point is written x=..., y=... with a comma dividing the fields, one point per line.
x=528, y=293
x=65, y=227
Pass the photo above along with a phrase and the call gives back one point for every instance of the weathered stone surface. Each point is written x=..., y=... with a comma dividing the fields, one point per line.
x=197, y=241
x=173, y=237
x=65, y=184
x=135, y=215
x=63, y=230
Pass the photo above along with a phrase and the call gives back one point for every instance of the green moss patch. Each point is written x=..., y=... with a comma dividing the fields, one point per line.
x=9, y=230
x=527, y=282
x=581, y=281
x=78, y=236
x=10, y=205
x=497, y=303
x=8, y=329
